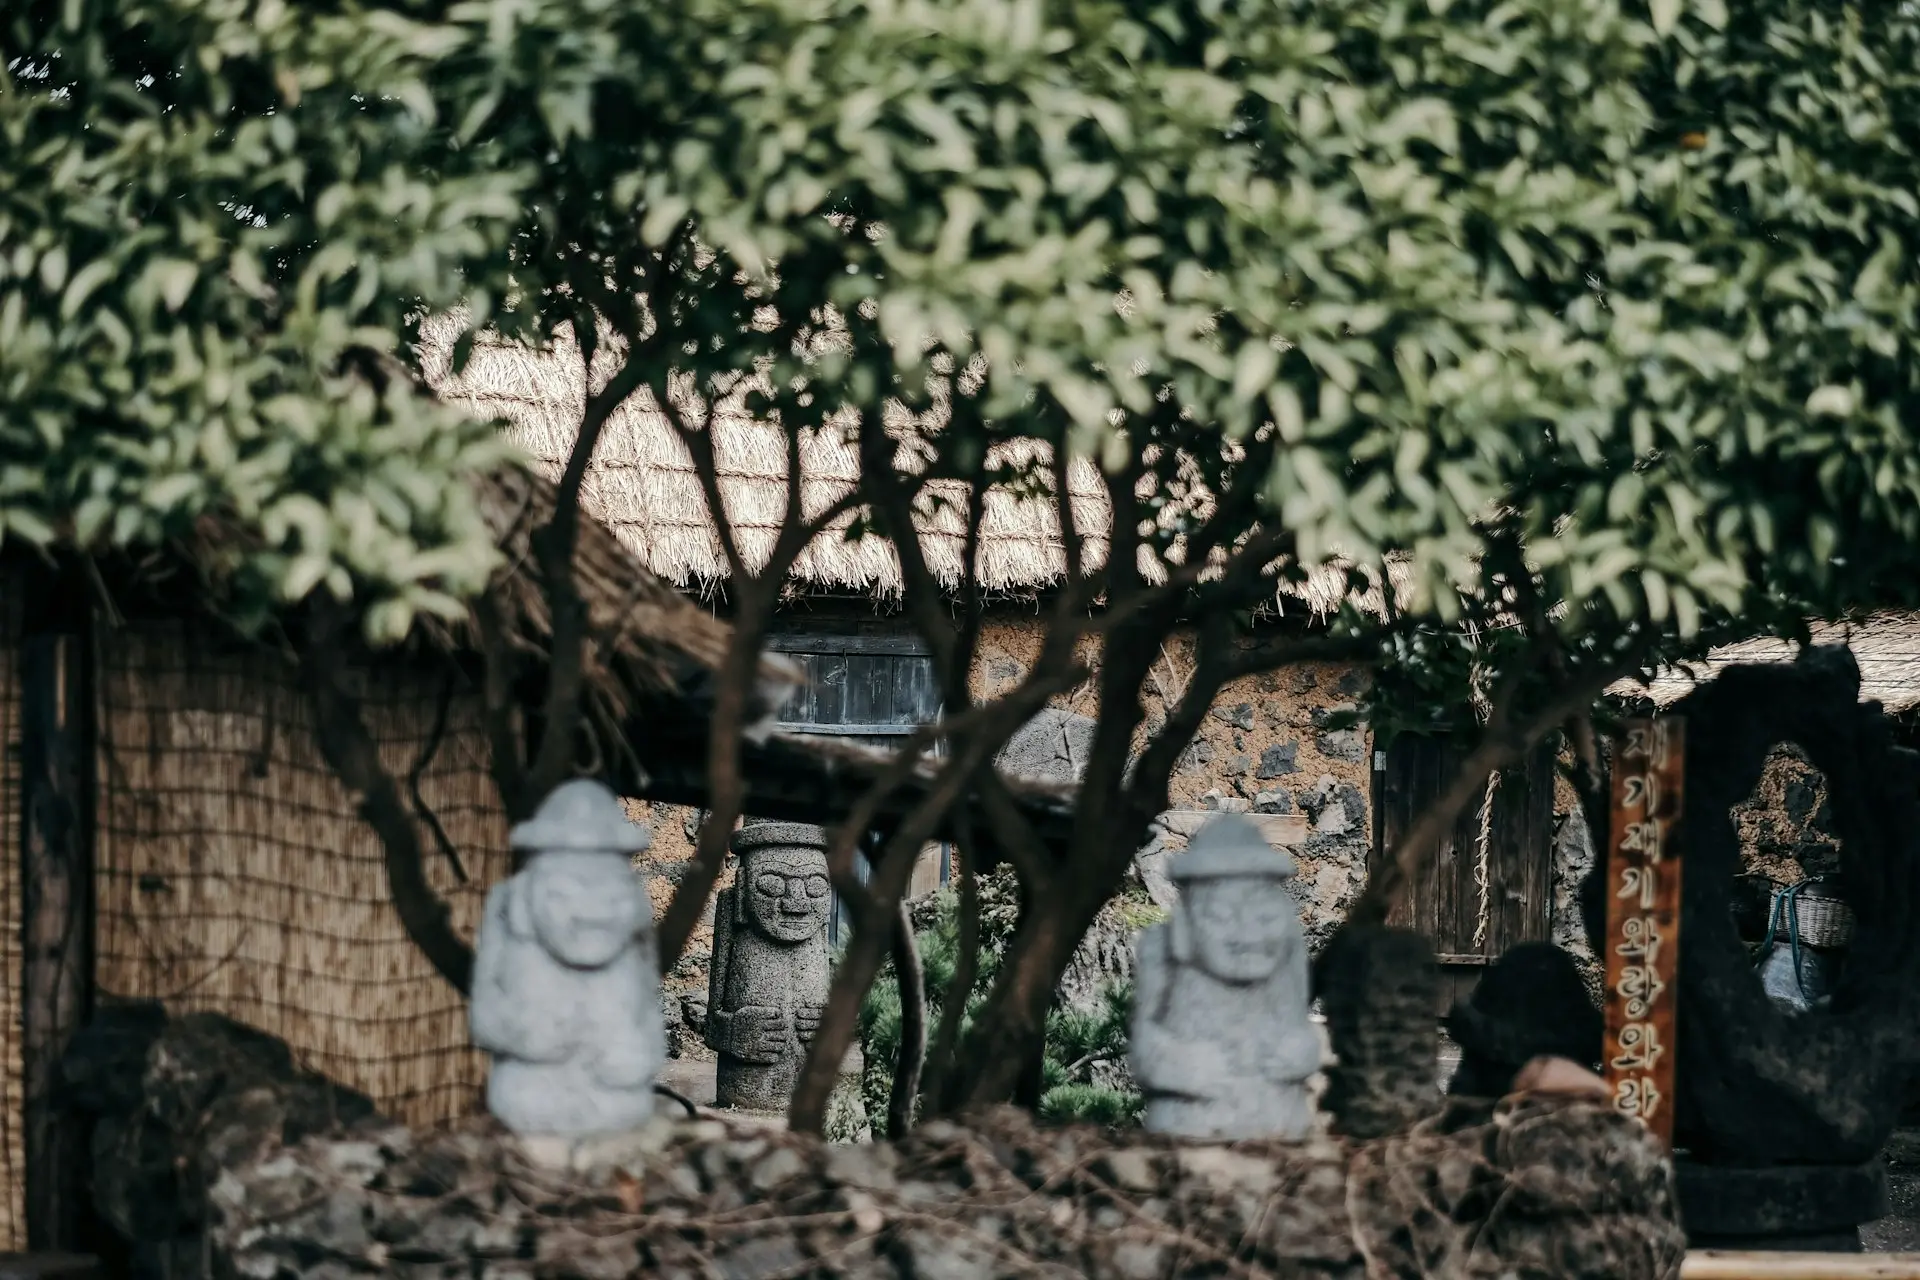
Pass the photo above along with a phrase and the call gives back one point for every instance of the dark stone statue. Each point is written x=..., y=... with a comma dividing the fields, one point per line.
x=1530, y=1003
x=771, y=968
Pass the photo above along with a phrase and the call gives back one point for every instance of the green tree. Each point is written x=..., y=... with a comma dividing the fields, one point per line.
x=1589, y=321
x=211, y=238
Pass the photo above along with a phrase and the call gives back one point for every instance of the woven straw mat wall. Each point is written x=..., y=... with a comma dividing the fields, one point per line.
x=13, y=1155
x=235, y=875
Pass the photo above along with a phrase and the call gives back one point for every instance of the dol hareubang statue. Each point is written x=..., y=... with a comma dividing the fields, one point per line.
x=770, y=972
x=1223, y=1041
x=566, y=986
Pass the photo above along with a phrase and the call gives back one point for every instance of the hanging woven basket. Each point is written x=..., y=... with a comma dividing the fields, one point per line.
x=1821, y=919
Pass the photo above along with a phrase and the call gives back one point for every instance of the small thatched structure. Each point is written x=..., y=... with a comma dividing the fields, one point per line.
x=164, y=769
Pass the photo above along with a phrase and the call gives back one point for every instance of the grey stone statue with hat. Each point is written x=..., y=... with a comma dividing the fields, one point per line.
x=566, y=983
x=1223, y=1039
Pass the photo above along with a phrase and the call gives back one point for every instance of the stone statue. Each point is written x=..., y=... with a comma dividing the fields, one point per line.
x=770, y=969
x=1379, y=988
x=1223, y=1041
x=566, y=986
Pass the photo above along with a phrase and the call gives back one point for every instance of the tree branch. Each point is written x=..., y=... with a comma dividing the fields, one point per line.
x=1210, y=672
x=350, y=750
x=755, y=597
x=726, y=785
x=972, y=601
x=554, y=544
x=428, y=753
x=1071, y=542
x=913, y=1026
x=954, y=1001
x=706, y=468
x=874, y=927
x=1014, y=836
x=893, y=505
x=554, y=547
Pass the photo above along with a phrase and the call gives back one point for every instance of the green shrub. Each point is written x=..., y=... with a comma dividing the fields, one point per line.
x=1076, y=1041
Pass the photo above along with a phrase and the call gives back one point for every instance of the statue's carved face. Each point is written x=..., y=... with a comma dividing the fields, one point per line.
x=587, y=908
x=786, y=892
x=1243, y=927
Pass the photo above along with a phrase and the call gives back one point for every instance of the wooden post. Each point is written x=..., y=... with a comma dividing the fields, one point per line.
x=1713, y=1264
x=56, y=825
x=1642, y=944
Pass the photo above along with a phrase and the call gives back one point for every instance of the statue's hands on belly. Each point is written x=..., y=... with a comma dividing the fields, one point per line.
x=758, y=1033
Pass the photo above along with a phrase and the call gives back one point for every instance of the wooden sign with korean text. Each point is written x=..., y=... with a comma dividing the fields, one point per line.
x=1642, y=951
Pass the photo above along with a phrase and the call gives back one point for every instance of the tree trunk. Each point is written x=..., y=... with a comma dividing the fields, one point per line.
x=1009, y=1038
x=56, y=812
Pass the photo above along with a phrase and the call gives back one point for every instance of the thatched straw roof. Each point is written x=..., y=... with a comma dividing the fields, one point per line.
x=1886, y=646
x=643, y=485
x=649, y=638
x=655, y=636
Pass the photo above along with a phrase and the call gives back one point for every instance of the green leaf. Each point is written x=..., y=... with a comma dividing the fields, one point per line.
x=85, y=281
x=1830, y=401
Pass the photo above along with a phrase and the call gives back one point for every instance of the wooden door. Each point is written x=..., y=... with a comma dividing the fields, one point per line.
x=1470, y=923
x=873, y=688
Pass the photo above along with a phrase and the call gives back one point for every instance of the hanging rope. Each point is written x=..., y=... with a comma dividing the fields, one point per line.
x=1482, y=851
x=1482, y=879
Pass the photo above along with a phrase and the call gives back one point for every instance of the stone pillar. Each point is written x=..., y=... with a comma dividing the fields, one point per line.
x=771, y=968
x=1379, y=989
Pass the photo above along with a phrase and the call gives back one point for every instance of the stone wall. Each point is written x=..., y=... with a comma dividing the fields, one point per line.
x=1531, y=1188
x=1573, y=856
x=1272, y=744
x=676, y=833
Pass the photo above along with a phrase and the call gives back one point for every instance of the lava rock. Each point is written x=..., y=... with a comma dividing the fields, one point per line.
x=1279, y=760
x=1240, y=715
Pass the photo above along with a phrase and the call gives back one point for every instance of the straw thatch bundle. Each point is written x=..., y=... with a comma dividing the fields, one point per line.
x=643, y=484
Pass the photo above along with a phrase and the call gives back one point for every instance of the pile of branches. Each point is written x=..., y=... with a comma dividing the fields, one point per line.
x=1523, y=1188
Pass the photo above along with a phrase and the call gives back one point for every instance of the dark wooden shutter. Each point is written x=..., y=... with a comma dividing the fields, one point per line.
x=868, y=687
x=1444, y=903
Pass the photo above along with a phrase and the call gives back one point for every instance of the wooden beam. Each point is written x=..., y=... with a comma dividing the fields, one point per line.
x=56, y=824
x=1715, y=1264
x=790, y=779
x=889, y=643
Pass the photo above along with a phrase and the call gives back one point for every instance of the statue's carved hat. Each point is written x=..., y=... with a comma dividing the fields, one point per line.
x=1230, y=846
x=581, y=816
